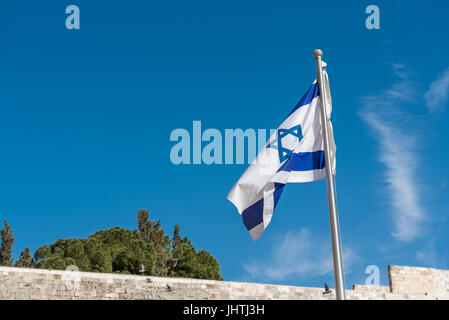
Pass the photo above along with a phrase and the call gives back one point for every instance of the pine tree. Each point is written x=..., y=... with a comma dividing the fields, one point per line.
x=151, y=232
x=176, y=236
x=25, y=259
x=187, y=263
x=110, y=250
x=147, y=249
x=6, y=246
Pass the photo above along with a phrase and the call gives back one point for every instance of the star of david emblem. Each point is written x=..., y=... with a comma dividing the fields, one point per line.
x=284, y=153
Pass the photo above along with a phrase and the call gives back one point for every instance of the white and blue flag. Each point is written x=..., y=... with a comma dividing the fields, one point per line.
x=294, y=153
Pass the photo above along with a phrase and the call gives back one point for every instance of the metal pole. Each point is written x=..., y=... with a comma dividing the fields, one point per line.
x=335, y=229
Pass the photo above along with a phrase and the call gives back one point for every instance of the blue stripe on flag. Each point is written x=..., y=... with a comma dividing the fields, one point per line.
x=253, y=215
x=277, y=192
x=304, y=161
x=311, y=94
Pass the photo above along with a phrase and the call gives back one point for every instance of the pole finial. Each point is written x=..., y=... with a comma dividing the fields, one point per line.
x=318, y=53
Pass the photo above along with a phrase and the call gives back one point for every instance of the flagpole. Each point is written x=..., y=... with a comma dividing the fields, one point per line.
x=335, y=229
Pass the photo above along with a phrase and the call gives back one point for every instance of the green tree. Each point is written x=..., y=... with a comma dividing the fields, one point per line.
x=186, y=261
x=42, y=254
x=146, y=250
x=128, y=253
x=25, y=259
x=99, y=255
x=6, y=245
x=190, y=264
x=75, y=249
x=176, y=236
x=111, y=250
x=207, y=266
x=57, y=255
x=152, y=233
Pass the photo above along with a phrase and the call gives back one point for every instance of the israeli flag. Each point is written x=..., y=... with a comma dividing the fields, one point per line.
x=294, y=153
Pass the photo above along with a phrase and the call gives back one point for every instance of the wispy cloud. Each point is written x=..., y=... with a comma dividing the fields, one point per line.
x=398, y=157
x=401, y=70
x=438, y=93
x=297, y=254
x=397, y=152
x=430, y=257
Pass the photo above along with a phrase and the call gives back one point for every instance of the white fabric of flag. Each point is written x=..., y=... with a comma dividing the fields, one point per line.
x=294, y=153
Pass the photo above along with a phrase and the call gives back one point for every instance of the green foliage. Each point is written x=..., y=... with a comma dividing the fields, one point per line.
x=61, y=254
x=152, y=233
x=146, y=250
x=190, y=264
x=99, y=255
x=185, y=255
x=6, y=245
x=25, y=259
x=208, y=267
x=176, y=236
x=128, y=253
x=111, y=250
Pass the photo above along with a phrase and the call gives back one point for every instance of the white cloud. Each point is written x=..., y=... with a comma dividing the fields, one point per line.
x=297, y=254
x=437, y=95
x=401, y=70
x=402, y=91
x=397, y=152
x=429, y=257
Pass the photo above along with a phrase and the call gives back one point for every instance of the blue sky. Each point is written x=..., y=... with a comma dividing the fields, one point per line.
x=87, y=115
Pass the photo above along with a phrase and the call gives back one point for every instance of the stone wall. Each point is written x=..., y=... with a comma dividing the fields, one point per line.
x=432, y=283
x=21, y=283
